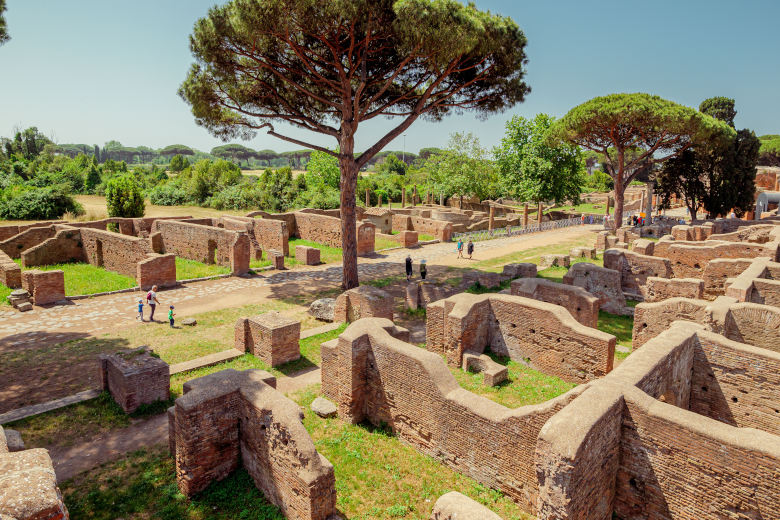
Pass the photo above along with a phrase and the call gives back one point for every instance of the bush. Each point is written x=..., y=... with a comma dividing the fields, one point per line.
x=599, y=181
x=37, y=203
x=241, y=196
x=124, y=198
x=168, y=194
x=178, y=163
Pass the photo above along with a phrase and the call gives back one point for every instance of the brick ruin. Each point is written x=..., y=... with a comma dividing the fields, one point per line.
x=605, y=284
x=539, y=334
x=364, y=301
x=134, y=378
x=207, y=244
x=271, y=337
x=234, y=418
x=583, y=306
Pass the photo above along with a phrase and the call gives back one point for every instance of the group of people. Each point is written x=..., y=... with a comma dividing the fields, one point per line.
x=469, y=248
x=153, y=302
x=410, y=270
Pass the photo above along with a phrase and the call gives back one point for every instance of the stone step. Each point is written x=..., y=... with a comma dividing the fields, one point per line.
x=205, y=361
x=35, y=409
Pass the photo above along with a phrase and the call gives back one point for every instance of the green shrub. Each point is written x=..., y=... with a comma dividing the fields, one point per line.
x=168, y=194
x=124, y=198
x=24, y=203
x=599, y=181
x=241, y=196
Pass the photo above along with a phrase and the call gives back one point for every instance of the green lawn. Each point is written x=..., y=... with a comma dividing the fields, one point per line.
x=189, y=269
x=385, y=243
x=582, y=208
x=82, y=278
x=328, y=254
x=524, y=386
x=618, y=326
x=4, y=292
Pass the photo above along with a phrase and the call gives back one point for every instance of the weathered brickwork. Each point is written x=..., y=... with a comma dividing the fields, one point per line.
x=689, y=259
x=758, y=234
x=114, y=251
x=493, y=373
x=718, y=271
x=28, y=486
x=582, y=305
x=757, y=283
x=643, y=247
x=64, y=246
x=15, y=245
x=325, y=229
x=635, y=269
x=10, y=272
x=157, y=270
x=231, y=418
x=134, y=378
x=407, y=238
x=421, y=293
x=657, y=289
x=583, y=252
x=366, y=372
x=45, y=287
x=456, y=506
x=363, y=302
x=627, y=234
x=307, y=255
x=381, y=218
x=272, y=234
x=519, y=270
x=605, y=284
x=543, y=335
x=271, y=337
x=206, y=244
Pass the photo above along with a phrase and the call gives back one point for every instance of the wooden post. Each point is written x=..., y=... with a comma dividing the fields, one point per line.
x=368, y=199
x=539, y=215
x=525, y=215
x=492, y=215
x=403, y=197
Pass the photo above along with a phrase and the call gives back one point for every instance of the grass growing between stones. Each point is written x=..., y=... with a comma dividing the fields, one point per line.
x=379, y=477
x=385, y=243
x=328, y=254
x=189, y=269
x=618, y=326
x=82, y=278
x=143, y=485
x=524, y=385
x=534, y=254
x=4, y=292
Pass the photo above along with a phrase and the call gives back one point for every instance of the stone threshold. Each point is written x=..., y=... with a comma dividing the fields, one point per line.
x=35, y=409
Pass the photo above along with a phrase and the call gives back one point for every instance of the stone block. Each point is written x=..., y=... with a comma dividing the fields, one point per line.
x=493, y=373
x=135, y=377
x=10, y=272
x=157, y=270
x=643, y=246
x=456, y=506
x=14, y=440
x=363, y=302
x=407, y=238
x=307, y=255
x=277, y=259
x=322, y=309
x=28, y=487
x=557, y=260
x=520, y=270
x=610, y=241
x=189, y=322
x=323, y=407
x=46, y=287
x=271, y=337
x=583, y=252
x=604, y=284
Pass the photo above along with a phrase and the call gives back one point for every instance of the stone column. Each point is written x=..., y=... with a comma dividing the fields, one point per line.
x=649, y=208
x=609, y=202
x=368, y=199
x=525, y=215
x=492, y=215
x=403, y=197
x=539, y=214
x=642, y=203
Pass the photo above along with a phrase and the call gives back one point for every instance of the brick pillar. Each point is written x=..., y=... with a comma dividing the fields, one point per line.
x=777, y=182
x=368, y=199
x=525, y=215
x=492, y=215
x=609, y=201
x=539, y=214
x=403, y=197
x=650, y=197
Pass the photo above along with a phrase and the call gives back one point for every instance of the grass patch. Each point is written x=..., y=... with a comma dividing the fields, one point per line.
x=143, y=485
x=379, y=477
x=188, y=269
x=524, y=385
x=328, y=254
x=619, y=326
x=383, y=282
x=385, y=243
x=82, y=278
x=81, y=421
x=424, y=237
x=534, y=254
x=4, y=293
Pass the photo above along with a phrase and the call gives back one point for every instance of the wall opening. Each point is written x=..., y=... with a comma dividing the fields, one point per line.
x=99, y=253
x=211, y=255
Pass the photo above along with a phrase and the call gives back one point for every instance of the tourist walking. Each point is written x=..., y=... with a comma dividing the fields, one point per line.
x=171, y=315
x=408, y=267
x=460, y=248
x=423, y=269
x=152, y=301
x=470, y=248
x=141, y=310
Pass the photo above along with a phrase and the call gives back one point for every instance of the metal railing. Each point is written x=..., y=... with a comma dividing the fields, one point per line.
x=507, y=231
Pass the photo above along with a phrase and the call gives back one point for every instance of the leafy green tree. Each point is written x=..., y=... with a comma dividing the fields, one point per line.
x=769, y=152
x=236, y=152
x=326, y=67
x=322, y=171
x=178, y=163
x=732, y=181
x=393, y=165
x=176, y=149
x=534, y=167
x=658, y=128
x=266, y=155
x=464, y=168
x=682, y=176
x=92, y=178
x=3, y=24
x=124, y=198
x=720, y=108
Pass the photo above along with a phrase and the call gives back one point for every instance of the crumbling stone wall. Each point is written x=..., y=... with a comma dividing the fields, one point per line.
x=757, y=283
x=232, y=417
x=205, y=244
x=28, y=486
x=15, y=245
x=541, y=334
x=271, y=337
x=657, y=289
x=718, y=271
x=583, y=306
x=272, y=235
x=758, y=234
x=114, y=251
x=635, y=269
x=381, y=218
x=364, y=301
x=688, y=259
x=368, y=373
x=10, y=272
x=157, y=270
x=134, y=378
x=65, y=246
x=45, y=287
x=7, y=232
x=325, y=229
x=605, y=284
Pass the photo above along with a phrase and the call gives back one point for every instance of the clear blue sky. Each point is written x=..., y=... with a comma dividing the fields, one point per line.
x=88, y=71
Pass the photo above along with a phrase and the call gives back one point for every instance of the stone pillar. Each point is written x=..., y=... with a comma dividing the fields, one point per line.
x=642, y=203
x=441, y=199
x=609, y=202
x=777, y=182
x=539, y=214
x=649, y=207
x=525, y=215
x=492, y=215
x=403, y=197
x=368, y=199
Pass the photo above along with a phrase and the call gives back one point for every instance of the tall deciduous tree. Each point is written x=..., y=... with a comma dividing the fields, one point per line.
x=534, y=167
x=659, y=129
x=326, y=67
x=464, y=168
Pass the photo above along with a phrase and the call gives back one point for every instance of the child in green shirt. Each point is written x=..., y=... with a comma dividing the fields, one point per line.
x=171, y=315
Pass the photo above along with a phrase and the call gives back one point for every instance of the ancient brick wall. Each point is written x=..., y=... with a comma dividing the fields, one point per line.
x=657, y=289
x=7, y=232
x=134, y=378
x=754, y=324
x=717, y=271
x=28, y=487
x=272, y=234
x=493, y=444
x=583, y=306
x=756, y=284
x=401, y=222
x=206, y=244
x=364, y=301
x=381, y=218
x=758, y=234
x=635, y=269
x=65, y=246
x=605, y=284
x=157, y=270
x=230, y=416
x=10, y=272
x=45, y=287
x=325, y=229
x=652, y=318
x=270, y=337
x=440, y=229
x=114, y=251
x=541, y=334
x=689, y=259
x=15, y=245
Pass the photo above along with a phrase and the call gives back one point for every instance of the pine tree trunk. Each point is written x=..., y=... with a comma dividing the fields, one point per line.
x=619, y=195
x=349, y=173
